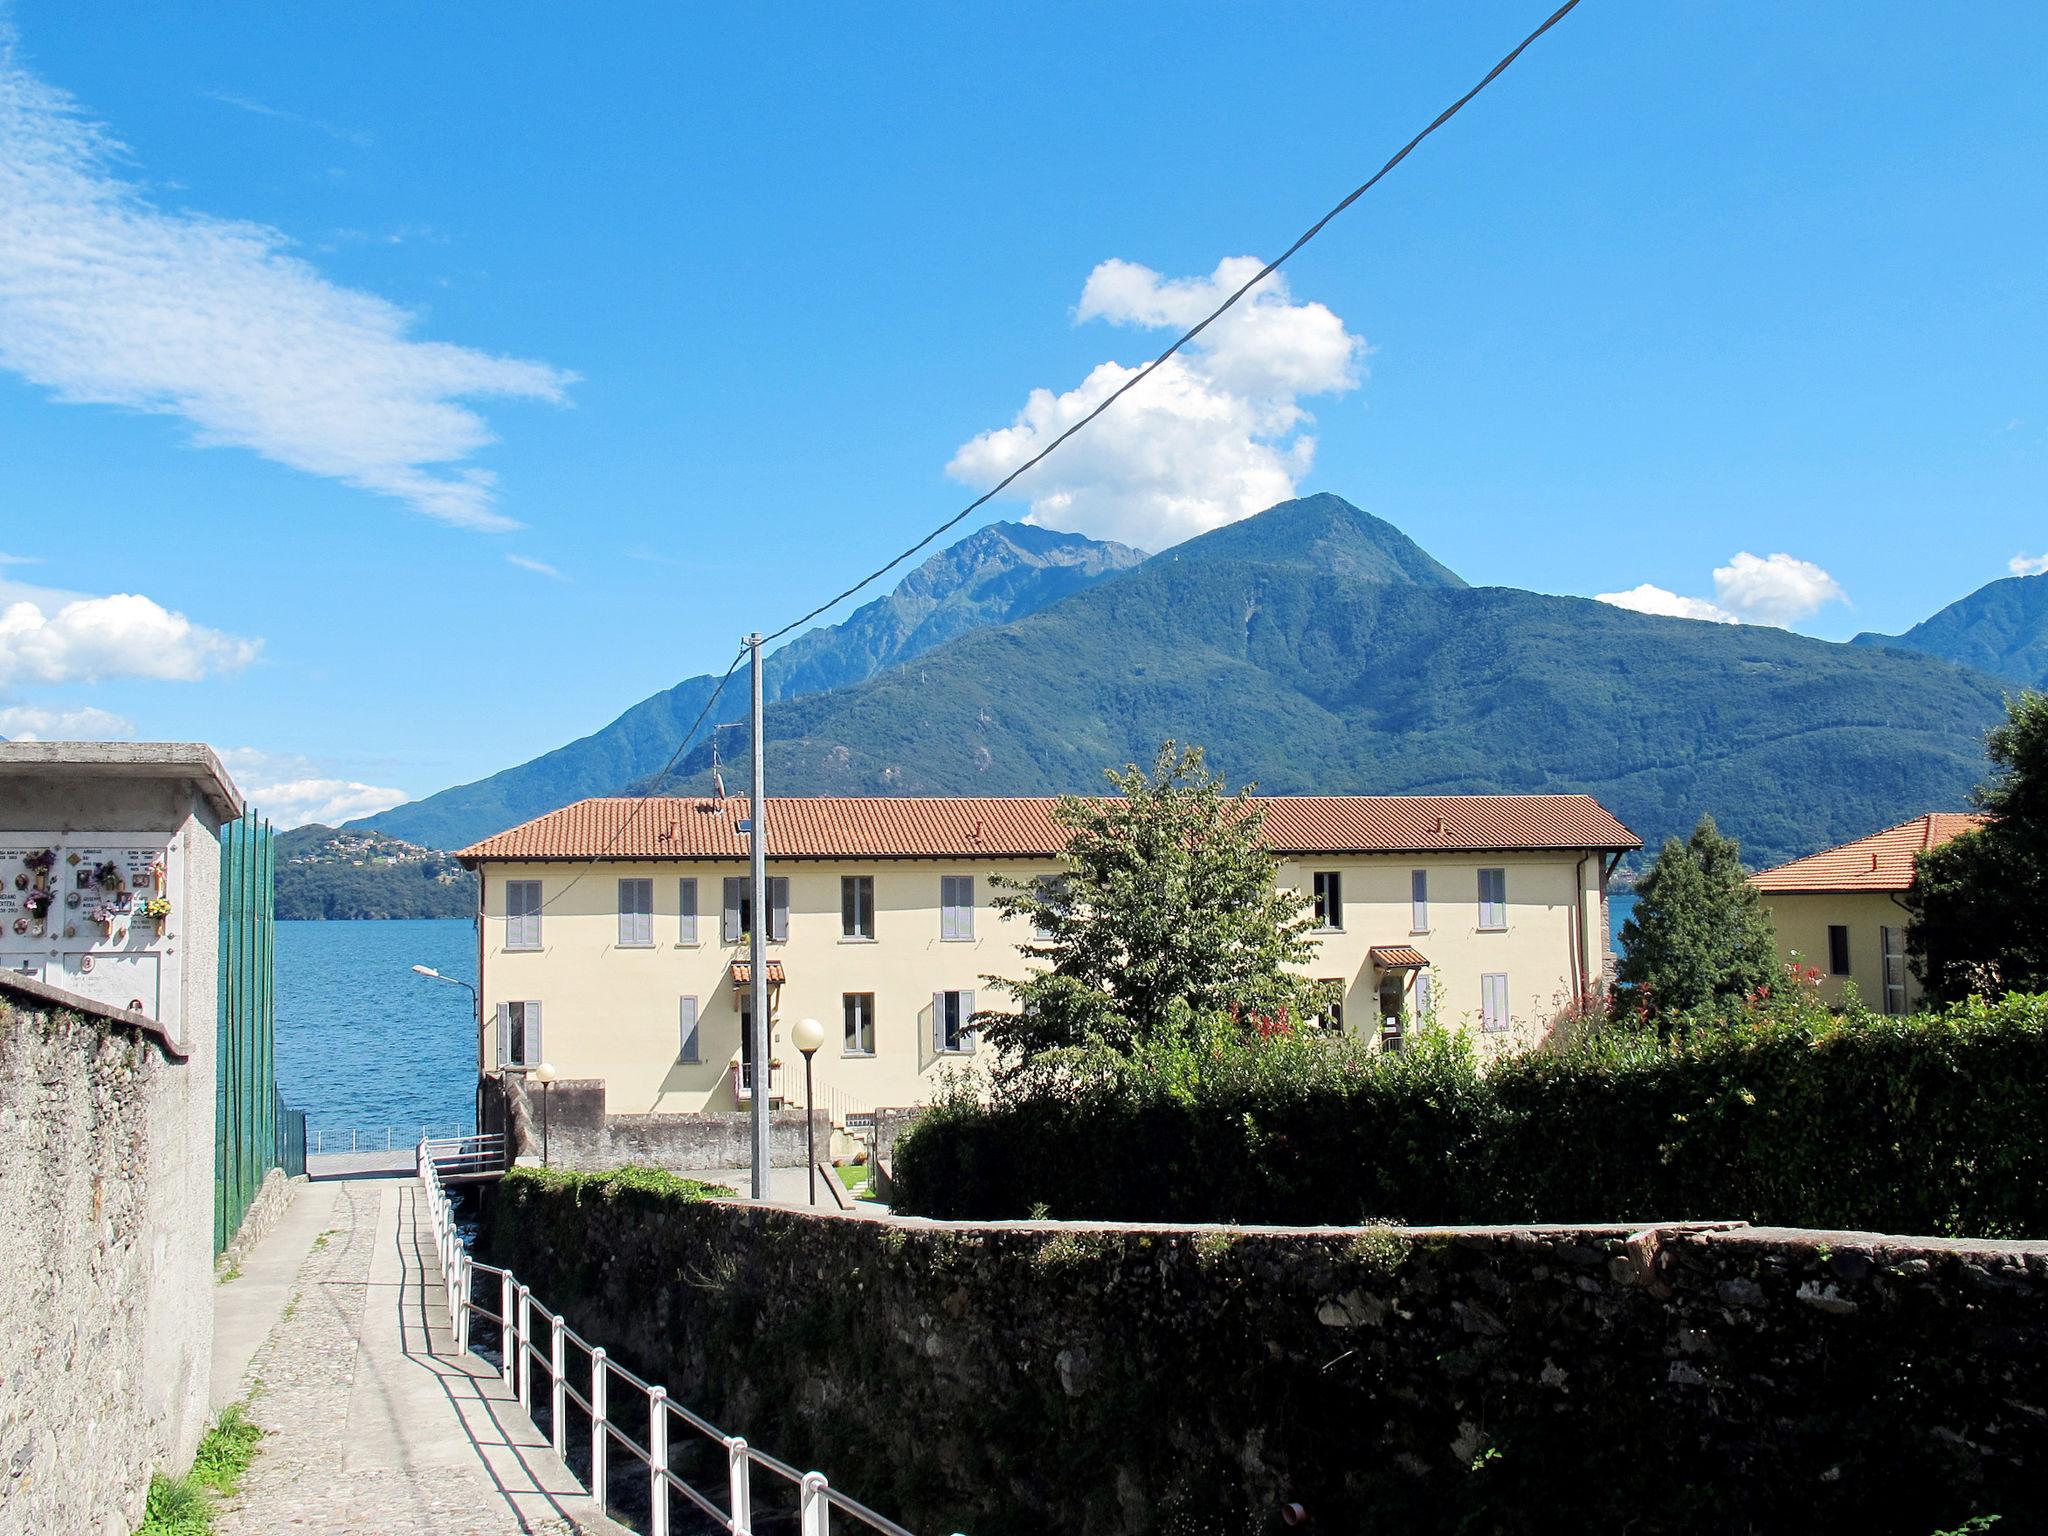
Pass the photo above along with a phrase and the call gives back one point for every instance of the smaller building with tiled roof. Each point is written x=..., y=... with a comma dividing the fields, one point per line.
x=1842, y=911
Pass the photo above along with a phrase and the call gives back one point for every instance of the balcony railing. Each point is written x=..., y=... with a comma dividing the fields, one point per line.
x=743, y=1082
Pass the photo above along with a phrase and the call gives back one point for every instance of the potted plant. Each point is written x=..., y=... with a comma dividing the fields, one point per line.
x=38, y=905
x=107, y=877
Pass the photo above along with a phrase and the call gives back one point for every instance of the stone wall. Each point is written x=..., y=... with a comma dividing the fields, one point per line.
x=106, y=1284
x=570, y=1121
x=1027, y=1377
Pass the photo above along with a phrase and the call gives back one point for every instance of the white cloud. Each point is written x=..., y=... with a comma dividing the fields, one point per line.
x=7, y=559
x=538, y=567
x=1217, y=434
x=292, y=789
x=26, y=722
x=1667, y=604
x=107, y=299
x=2027, y=565
x=1776, y=590
x=56, y=637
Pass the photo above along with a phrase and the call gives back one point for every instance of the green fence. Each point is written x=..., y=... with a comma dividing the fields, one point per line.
x=246, y=1103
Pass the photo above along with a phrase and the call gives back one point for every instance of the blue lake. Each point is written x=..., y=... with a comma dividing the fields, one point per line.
x=1619, y=905
x=364, y=1045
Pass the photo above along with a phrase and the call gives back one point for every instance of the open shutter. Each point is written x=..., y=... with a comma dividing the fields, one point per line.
x=1418, y=900
x=686, y=911
x=778, y=910
x=504, y=1034
x=534, y=1054
x=735, y=889
x=689, y=1030
x=939, y=1022
x=967, y=1041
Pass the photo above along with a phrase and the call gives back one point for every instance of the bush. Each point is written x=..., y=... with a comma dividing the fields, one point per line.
x=1782, y=1114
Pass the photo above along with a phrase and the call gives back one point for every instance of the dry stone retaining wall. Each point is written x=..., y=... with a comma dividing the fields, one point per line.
x=1026, y=1377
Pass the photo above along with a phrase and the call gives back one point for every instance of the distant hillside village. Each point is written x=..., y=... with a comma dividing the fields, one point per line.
x=325, y=873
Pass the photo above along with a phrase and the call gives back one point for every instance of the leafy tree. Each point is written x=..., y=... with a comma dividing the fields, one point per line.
x=1165, y=910
x=1699, y=934
x=1979, y=903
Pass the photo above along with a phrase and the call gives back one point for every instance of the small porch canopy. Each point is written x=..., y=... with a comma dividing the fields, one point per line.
x=1397, y=957
x=743, y=974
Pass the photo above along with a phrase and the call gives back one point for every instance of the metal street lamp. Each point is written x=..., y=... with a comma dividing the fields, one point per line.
x=544, y=1074
x=808, y=1035
x=477, y=1019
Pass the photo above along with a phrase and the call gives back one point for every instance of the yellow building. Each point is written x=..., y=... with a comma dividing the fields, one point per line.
x=612, y=932
x=1842, y=910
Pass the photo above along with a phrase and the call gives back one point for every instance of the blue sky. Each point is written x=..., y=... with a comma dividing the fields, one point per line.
x=707, y=304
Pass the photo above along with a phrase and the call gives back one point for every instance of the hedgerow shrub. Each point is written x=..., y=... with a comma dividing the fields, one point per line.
x=1784, y=1114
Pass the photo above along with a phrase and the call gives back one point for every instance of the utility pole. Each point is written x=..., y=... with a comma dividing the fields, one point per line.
x=757, y=955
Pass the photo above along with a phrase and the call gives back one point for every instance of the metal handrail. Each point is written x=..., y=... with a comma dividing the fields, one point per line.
x=518, y=1357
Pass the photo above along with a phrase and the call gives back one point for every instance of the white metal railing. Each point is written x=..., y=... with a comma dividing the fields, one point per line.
x=454, y=1156
x=383, y=1138
x=519, y=1356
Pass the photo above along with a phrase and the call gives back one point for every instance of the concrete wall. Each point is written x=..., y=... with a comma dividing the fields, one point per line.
x=613, y=1014
x=1802, y=920
x=1029, y=1377
x=106, y=1285
x=575, y=1131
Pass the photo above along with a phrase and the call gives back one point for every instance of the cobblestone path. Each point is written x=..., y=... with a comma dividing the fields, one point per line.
x=370, y=1427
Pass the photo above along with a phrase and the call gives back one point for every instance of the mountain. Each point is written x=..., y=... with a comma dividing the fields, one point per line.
x=1315, y=648
x=996, y=574
x=326, y=873
x=2001, y=629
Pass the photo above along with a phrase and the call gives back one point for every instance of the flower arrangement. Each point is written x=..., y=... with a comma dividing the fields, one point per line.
x=107, y=877
x=38, y=904
x=42, y=861
x=105, y=915
x=157, y=909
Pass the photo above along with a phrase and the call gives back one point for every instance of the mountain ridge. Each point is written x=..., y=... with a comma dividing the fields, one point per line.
x=2001, y=628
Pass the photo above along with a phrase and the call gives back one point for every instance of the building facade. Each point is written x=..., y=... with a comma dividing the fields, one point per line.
x=613, y=933
x=1842, y=910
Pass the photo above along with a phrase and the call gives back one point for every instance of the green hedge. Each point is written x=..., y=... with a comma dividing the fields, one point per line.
x=1934, y=1124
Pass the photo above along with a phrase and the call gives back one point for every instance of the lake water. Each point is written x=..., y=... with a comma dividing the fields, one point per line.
x=1619, y=905
x=364, y=1045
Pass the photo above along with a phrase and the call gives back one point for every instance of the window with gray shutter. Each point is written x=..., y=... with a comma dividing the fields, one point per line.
x=636, y=914
x=860, y=1023
x=686, y=910
x=1493, y=898
x=856, y=906
x=519, y=1034
x=952, y=1026
x=778, y=910
x=1493, y=1001
x=734, y=926
x=689, y=1031
x=522, y=914
x=1329, y=905
x=504, y=1034
x=956, y=906
x=1425, y=999
x=1418, y=900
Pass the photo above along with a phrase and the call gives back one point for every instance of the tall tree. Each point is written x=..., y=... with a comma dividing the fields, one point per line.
x=1165, y=907
x=1699, y=933
x=1979, y=903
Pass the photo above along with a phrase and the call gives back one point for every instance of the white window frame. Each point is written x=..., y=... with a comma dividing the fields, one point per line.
x=690, y=1021
x=1495, y=1014
x=529, y=1031
x=1493, y=914
x=1418, y=901
x=1891, y=959
x=859, y=887
x=686, y=910
x=522, y=929
x=956, y=917
x=636, y=924
x=846, y=1002
x=1326, y=887
x=960, y=1041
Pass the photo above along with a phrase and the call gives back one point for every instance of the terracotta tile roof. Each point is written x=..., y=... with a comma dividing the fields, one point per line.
x=1398, y=957
x=1882, y=861
x=842, y=827
x=743, y=971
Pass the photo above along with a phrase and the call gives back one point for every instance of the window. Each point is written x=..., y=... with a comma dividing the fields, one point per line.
x=1329, y=900
x=1892, y=948
x=956, y=907
x=1418, y=900
x=1331, y=1004
x=860, y=1023
x=1493, y=898
x=1838, y=950
x=1055, y=891
x=636, y=914
x=519, y=1034
x=522, y=914
x=739, y=909
x=1493, y=1001
x=688, y=1050
x=686, y=910
x=857, y=906
x=952, y=1021
x=1425, y=998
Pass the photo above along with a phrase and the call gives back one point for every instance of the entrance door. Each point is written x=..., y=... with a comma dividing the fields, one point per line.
x=1393, y=1009
x=1891, y=943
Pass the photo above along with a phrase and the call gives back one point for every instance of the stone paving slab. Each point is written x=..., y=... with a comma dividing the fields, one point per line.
x=371, y=1427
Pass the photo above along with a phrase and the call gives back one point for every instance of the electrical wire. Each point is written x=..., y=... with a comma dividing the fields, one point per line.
x=1214, y=315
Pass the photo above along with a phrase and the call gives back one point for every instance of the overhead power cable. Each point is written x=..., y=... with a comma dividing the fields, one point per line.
x=1214, y=315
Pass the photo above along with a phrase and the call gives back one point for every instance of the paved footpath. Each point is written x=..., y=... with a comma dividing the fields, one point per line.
x=336, y=1332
